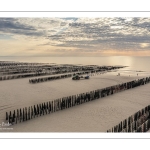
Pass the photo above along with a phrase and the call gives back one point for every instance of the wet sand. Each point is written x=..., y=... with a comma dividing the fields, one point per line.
x=94, y=116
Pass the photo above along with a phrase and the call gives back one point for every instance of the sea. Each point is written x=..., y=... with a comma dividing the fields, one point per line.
x=134, y=65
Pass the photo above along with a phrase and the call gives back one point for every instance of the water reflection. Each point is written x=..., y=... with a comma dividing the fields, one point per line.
x=133, y=63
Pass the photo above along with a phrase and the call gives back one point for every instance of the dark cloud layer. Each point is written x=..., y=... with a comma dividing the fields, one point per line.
x=12, y=26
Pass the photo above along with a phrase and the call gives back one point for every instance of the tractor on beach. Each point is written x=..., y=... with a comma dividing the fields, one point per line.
x=77, y=77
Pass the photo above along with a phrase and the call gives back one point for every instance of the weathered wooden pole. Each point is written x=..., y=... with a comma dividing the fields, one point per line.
x=29, y=113
x=37, y=110
x=17, y=114
x=34, y=111
x=6, y=116
x=52, y=107
x=26, y=113
x=20, y=115
x=42, y=108
x=49, y=108
x=23, y=115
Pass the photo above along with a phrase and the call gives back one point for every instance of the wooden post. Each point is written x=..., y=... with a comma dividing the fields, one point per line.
x=37, y=110
x=17, y=114
x=20, y=115
x=52, y=107
x=34, y=111
x=61, y=103
x=40, y=110
x=121, y=125
x=23, y=115
x=58, y=104
x=49, y=109
x=10, y=118
x=14, y=114
x=72, y=101
x=69, y=101
x=13, y=119
x=29, y=113
x=66, y=102
x=83, y=95
x=112, y=130
x=75, y=100
x=26, y=113
x=16, y=119
x=79, y=96
x=43, y=108
x=6, y=116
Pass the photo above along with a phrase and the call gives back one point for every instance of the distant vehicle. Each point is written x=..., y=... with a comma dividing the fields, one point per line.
x=77, y=77
x=86, y=77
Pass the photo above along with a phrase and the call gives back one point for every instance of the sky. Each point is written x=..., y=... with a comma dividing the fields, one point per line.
x=75, y=36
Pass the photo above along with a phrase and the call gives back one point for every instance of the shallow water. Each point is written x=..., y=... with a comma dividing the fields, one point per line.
x=135, y=64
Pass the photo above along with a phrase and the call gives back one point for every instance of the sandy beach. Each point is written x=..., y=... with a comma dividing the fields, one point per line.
x=94, y=116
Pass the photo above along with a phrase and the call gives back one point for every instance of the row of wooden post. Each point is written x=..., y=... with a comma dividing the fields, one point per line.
x=38, y=73
x=139, y=122
x=70, y=101
x=9, y=64
x=50, y=78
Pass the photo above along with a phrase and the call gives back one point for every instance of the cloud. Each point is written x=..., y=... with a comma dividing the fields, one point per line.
x=13, y=24
x=79, y=34
x=145, y=45
x=107, y=33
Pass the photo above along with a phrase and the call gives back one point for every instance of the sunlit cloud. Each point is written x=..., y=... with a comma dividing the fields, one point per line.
x=144, y=45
